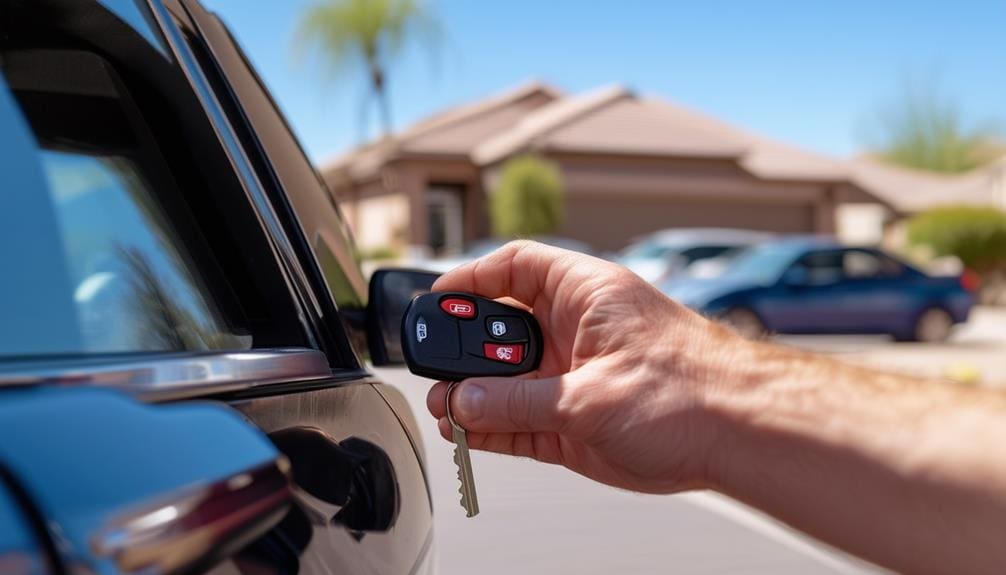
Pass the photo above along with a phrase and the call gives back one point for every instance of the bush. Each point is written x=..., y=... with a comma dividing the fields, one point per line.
x=976, y=235
x=528, y=200
x=380, y=253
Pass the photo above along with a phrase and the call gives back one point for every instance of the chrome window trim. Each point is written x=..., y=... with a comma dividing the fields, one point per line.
x=177, y=376
x=295, y=277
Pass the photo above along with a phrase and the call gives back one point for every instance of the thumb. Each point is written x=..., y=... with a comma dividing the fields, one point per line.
x=508, y=405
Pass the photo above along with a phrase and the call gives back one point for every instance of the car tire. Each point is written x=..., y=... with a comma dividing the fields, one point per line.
x=745, y=322
x=933, y=325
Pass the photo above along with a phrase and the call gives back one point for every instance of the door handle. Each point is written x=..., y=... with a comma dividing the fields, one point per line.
x=197, y=525
x=353, y=474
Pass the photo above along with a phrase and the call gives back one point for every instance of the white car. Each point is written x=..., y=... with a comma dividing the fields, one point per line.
x=668, y=253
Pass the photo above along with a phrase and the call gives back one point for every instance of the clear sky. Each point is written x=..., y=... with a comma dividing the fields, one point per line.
x=812, y=73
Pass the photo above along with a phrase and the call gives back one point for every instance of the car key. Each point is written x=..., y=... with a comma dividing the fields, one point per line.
x=453, y=336
x=463, y=460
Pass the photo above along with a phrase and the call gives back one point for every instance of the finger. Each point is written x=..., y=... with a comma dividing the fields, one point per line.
x=518, y=269
x=506, y=405
x=541, y=446
x=436, y=399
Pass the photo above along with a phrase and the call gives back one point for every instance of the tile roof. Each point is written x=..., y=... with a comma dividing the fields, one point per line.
x=911, y=190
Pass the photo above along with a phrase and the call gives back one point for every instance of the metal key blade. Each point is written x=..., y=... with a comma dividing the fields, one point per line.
x=462, y=458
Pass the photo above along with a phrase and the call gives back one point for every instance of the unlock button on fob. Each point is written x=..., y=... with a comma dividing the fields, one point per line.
x=506, y=328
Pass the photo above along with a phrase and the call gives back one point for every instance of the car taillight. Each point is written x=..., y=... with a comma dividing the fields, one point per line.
x=970, y=280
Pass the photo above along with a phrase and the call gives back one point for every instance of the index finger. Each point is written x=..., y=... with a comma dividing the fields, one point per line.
x=519, y=270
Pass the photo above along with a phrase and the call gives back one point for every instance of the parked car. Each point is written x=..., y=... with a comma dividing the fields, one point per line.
x=666, y=254
x=488, y=245
x=813, y=285
x=182, y=323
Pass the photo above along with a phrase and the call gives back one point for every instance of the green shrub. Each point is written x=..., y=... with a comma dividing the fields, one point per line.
x=380, y=253
x=528, y=200
x=976, y=235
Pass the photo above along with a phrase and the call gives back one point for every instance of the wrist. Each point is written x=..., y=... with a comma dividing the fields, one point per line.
x=737, y=408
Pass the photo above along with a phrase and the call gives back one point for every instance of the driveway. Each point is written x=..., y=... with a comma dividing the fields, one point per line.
x=976, y=348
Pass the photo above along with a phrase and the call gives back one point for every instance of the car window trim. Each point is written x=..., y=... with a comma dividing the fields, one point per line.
x=168, y=377
x=295, y=276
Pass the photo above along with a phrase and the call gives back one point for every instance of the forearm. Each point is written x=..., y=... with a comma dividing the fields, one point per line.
x=908, y=473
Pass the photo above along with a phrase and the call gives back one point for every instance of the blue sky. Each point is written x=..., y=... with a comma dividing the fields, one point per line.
x=814, y=74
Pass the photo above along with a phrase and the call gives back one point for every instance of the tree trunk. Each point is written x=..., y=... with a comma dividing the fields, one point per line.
x=377, y=80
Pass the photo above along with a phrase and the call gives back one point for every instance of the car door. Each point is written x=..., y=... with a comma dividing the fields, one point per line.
x=154, y=247
x=805, y=299
x=876, y=295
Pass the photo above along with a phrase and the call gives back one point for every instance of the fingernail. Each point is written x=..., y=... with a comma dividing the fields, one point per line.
x=471, y=400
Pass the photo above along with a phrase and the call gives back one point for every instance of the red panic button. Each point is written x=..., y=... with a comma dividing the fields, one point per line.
x=458, y=307
x=505, y=352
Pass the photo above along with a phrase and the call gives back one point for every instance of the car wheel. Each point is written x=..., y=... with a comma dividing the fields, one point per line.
x=745, y=322
x=933, y=326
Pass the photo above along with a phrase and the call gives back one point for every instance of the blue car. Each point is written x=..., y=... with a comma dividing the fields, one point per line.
x=814, y=285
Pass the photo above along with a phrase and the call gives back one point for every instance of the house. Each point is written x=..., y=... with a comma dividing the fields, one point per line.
x=631, y=165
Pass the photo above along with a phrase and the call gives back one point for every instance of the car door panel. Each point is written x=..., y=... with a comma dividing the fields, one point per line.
x=353, y=411
x=83, y=458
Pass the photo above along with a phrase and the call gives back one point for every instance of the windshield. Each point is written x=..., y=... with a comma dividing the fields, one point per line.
x=644, y=251
x=763, y=264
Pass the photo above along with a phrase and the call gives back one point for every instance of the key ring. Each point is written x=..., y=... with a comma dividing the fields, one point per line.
x=450, y=416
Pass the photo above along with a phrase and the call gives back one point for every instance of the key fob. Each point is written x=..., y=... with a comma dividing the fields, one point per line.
x=452, y=336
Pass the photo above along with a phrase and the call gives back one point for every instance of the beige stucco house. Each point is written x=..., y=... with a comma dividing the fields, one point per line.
x=631, y=165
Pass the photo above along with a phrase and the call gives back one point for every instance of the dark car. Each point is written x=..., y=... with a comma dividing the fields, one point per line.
x=183, y=323
x=812, y=285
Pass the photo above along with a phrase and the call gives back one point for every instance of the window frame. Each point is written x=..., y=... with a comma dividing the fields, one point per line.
x=194, y=372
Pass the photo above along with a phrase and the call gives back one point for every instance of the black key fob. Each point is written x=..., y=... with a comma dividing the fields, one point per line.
x=452, y=336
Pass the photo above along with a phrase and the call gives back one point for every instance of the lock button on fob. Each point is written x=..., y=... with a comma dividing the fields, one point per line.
x=453, y=336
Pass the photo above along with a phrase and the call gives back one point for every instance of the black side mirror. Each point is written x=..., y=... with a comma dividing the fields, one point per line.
x=391, y=290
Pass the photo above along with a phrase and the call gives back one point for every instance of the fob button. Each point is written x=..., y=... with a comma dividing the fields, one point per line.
x=508, y=328
x=505, y=352
x=437, y=336
x=458, y=307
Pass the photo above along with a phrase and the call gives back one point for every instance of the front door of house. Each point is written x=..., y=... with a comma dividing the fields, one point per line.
x=445, y=219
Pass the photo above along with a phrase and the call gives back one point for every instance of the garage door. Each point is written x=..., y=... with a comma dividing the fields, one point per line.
x=608, y=224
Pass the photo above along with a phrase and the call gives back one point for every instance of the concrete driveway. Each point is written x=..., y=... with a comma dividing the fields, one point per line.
x=978, y=347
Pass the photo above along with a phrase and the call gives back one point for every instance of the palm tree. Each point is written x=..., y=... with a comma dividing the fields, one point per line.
x=927, y=131
x=370, y=33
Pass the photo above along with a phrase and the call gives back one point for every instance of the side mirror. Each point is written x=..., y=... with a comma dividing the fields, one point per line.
x=391, y=291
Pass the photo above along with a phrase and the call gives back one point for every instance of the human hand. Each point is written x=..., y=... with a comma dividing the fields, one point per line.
x=620, y=393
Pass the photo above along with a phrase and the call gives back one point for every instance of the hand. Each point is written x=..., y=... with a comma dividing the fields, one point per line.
x=620, y=393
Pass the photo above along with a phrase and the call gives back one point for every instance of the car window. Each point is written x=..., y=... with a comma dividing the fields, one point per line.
x=823, y=267
x=692, y=255
x=133, y=283
x=859, y=264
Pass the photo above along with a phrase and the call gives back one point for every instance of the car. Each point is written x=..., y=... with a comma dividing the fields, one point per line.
x=185, y=331
x=662, y=255
x=486, y=246
x=817, y=286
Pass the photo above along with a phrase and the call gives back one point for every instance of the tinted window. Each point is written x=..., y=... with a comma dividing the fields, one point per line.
x=859, y=264
x=692, y=255
x=121, y=244
x=823, y=267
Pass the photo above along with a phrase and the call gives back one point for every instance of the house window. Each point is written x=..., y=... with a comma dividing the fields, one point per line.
x=445, y=219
